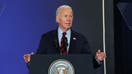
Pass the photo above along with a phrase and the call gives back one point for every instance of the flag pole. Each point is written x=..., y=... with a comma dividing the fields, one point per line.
x=103, y=17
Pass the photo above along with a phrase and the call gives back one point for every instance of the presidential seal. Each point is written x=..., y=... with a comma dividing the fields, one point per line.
x=61, y=66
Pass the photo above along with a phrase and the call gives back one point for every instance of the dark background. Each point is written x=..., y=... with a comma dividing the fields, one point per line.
x=22, y=22
x=123, y=36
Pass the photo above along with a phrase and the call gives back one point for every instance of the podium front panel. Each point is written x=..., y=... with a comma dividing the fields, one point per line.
x=40, y=64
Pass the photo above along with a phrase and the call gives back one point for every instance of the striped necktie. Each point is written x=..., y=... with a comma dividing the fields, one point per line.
x=64, y=44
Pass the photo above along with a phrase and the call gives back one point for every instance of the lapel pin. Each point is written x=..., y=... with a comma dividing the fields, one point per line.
x=74, y=38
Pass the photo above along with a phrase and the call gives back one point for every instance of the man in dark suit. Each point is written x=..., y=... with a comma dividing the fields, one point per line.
x=49, y=44
x=64, y=40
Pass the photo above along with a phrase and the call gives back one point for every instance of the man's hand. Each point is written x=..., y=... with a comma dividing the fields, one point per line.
x=100, y=55
x=27, y=57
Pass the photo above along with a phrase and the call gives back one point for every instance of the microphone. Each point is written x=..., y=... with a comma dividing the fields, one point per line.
x=66, y=41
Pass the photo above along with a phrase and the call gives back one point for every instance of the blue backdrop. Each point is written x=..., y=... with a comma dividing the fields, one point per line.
x=22, y=22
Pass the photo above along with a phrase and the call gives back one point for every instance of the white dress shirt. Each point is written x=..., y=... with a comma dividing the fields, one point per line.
x=68, y=35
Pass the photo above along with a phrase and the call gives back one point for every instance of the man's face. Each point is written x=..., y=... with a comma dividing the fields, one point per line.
x=65, y=18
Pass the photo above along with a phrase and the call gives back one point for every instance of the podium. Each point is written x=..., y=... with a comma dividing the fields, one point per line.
x=61, y=64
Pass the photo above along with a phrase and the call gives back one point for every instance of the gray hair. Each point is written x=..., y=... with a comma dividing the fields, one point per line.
x=62, y=6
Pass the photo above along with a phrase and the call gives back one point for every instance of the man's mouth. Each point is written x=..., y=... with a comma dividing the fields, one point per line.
x=67, y=23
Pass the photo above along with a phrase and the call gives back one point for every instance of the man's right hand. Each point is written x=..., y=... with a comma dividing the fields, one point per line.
x=27, y=57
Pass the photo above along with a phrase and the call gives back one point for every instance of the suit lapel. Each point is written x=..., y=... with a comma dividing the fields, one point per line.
x=72, y=47
x=56, y=41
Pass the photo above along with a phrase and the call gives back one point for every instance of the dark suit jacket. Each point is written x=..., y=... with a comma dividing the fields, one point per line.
x=49, y=44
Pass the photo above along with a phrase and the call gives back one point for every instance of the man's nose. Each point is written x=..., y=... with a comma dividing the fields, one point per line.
x=68, y=19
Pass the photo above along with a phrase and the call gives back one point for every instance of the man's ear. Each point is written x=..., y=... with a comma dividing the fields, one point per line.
x=57, y=19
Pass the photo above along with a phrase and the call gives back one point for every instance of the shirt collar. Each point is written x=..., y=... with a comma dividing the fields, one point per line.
x=60, y=32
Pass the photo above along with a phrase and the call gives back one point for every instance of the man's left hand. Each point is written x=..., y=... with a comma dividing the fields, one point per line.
x=100, y=55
